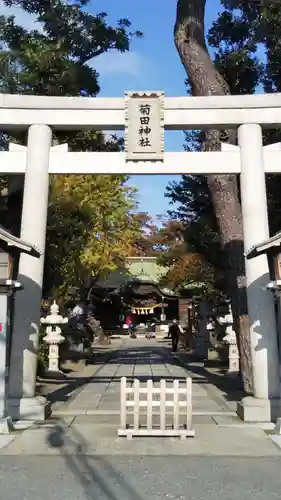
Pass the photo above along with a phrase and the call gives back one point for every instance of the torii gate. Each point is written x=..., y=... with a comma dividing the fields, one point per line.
x=40, y=115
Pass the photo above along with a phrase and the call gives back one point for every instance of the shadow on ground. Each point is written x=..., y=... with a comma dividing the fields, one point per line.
x=145, y=355
x=72, y=383
x=231, y=386
x=95, y=474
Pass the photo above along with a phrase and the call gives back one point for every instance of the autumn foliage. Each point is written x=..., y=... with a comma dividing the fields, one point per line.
x=91, y=228
x=169, y=243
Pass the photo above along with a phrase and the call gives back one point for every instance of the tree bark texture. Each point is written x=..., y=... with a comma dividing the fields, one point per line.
x=205, y=80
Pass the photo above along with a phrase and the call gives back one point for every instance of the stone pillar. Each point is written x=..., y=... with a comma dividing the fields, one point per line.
x=265, y=404
x=22, y=402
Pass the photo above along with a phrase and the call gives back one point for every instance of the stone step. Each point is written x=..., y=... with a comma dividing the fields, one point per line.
x=114, y=419
x=114, y=423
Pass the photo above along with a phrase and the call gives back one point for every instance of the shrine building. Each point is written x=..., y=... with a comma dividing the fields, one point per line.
x=135, y=290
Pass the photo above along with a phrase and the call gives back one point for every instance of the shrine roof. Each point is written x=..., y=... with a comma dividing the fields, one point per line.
x=140, y=288
x=144, y=270
x=272, y=244
x=136, y=268
x=12, y=241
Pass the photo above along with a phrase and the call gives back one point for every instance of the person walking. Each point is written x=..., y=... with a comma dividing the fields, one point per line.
x=174, y=331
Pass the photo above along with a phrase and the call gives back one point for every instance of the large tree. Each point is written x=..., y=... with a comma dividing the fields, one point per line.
x=91, y=229
x=194, y=210
x=206, y=78
x=191, y=204
x=171, y=244
x=185, y=266
x=234, y=57
x=256, y=25
x=57, y=57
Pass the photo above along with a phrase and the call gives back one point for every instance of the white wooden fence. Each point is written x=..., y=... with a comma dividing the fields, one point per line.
x=156, y=403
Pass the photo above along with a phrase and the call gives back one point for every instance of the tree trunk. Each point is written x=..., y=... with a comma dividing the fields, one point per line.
x=205, y=80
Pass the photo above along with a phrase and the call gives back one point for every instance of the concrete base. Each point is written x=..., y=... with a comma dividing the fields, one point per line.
x=252, y=409
x=6, y=425
x=37, y=408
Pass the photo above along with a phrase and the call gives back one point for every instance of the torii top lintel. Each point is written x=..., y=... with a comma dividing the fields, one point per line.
x=180, y=113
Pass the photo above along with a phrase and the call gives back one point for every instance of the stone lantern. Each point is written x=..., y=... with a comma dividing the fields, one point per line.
x=54, y=321
x=230, y=339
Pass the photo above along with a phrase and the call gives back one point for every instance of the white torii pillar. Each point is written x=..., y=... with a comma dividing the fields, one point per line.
x=22, y=402
x=265, y=403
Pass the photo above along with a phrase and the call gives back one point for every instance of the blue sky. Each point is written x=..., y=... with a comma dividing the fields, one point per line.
x=152, y=64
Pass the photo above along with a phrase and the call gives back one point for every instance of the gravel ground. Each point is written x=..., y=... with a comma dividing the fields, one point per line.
x=139, y=478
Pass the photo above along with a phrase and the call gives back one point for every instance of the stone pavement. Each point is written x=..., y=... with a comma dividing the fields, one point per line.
x=87, y=423
x=142, y=359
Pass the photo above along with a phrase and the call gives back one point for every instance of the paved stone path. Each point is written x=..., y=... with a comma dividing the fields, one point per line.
x=88, y=422
x=140, y=359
